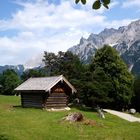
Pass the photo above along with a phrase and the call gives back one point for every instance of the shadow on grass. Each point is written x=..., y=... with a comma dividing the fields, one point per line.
x=3, y=137
x=17, y=106
x=30, y=107
x=84, y=108
x=78, y=107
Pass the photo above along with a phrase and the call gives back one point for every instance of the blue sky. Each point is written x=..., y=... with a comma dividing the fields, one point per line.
x=30, y=27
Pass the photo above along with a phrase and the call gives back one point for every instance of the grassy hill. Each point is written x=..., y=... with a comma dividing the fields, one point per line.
x=18, y=123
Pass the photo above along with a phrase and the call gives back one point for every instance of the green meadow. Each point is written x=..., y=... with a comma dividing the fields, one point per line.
x=18, y=123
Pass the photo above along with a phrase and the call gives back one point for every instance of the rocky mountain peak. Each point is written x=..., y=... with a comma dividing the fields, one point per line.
x=82, y=40
x=125, y=39
x=122, y=29
x=107, y=32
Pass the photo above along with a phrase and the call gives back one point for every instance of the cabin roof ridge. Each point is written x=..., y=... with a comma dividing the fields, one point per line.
x=43, y=83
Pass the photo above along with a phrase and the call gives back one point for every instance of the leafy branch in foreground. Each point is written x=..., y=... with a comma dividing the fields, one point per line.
x=96, y=4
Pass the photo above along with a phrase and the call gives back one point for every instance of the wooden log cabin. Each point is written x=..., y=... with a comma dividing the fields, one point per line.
x=45, y=92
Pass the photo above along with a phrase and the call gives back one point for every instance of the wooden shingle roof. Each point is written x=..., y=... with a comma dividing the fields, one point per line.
x=43, y=83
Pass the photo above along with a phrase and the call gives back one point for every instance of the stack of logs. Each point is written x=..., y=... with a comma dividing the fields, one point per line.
x=56, y=100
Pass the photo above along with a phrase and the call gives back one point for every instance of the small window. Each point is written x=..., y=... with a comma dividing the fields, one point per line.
x=59, y=90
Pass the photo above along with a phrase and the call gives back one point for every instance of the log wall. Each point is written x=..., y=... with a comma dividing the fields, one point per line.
x=32, y=100
x=56, y=100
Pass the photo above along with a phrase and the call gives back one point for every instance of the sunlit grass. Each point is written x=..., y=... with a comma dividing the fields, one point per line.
x=18, y=123
x=137, y=115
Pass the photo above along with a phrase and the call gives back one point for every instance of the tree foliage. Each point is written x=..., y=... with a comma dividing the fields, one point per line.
x=9, y=80
x=32, y=73
x=136, y=98
x=66, y=63
x=50, y=60
x=117, y=80
x=96, y=3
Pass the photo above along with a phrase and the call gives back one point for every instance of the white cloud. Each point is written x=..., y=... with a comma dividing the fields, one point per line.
x=117, y=23
x=42, y=26
x=131, y=3
x=41, y=15
x=114, y=3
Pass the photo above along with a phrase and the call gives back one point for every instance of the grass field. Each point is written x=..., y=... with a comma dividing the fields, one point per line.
x=137, y=115
x=18, y=123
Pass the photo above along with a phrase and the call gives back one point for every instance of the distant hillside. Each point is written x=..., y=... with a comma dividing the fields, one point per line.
x=17, y=68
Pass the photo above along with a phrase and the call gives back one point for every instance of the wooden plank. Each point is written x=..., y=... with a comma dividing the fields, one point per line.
x=32, y=100
x=56, y=100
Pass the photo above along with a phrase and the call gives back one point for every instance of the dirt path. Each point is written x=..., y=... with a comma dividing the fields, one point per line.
x=122, y=115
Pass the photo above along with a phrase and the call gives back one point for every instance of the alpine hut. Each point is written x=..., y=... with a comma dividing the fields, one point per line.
x=45, y=92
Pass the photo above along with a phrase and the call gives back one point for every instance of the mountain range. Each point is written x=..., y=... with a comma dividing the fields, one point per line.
x=33, y=63
x=17, y=68
x=126, y=40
